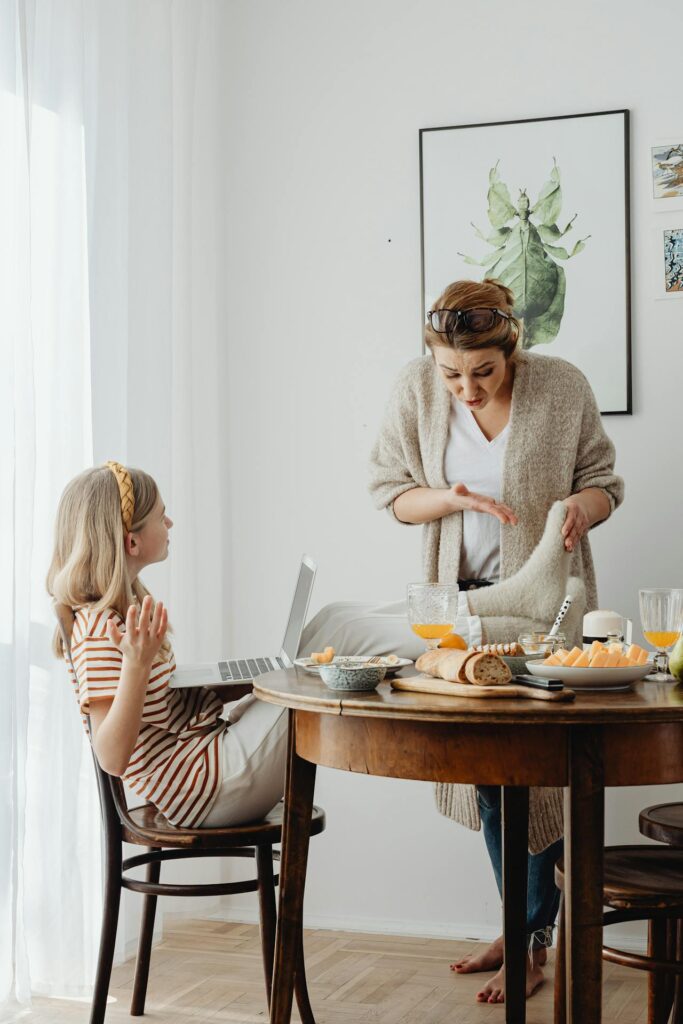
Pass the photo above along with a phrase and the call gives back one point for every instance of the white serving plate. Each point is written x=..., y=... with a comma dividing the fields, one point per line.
x=311, y=666
x=592, y=678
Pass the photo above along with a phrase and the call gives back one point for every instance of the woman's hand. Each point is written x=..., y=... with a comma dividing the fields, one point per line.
x=464, y=499
x=143, y=636
x=585, y=509
x=577, y=522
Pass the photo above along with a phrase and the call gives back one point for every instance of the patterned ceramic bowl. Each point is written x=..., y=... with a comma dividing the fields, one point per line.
x=352, y=675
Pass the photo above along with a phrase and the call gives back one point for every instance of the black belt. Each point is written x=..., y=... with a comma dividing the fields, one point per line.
x=474, y=584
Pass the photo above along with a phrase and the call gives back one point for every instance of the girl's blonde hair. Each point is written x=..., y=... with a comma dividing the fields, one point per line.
x=89, y=560
x=488, y=293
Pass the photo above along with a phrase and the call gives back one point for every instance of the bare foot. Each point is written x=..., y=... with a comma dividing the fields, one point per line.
x=488, y=960
x=494, y=990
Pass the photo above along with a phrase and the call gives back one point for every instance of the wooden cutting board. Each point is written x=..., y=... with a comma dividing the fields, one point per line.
x=428, y=684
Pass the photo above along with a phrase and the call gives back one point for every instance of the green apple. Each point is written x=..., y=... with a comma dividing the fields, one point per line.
x=676, y=660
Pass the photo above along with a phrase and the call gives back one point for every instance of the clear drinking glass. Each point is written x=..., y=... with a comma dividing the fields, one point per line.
x=432, y=610
x=661, y=615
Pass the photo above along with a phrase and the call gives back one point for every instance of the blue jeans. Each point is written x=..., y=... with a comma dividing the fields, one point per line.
x=543, y=896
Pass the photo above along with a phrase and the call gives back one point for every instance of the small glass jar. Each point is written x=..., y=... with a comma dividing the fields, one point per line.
x=541, y=644
x=614, y=643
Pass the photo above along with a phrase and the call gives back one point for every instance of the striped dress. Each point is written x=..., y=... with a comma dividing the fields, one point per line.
x=176, y=762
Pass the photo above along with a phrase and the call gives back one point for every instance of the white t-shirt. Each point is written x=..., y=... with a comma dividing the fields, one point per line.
x=478, y=463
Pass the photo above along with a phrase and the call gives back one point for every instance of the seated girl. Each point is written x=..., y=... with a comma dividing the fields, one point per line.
x=202, y=764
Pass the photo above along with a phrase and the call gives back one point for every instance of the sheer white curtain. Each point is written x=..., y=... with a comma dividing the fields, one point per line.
x=49, y=876
x=111, y=251
x=157, y=256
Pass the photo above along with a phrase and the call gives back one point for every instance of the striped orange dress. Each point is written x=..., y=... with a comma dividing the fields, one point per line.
x=176, y=762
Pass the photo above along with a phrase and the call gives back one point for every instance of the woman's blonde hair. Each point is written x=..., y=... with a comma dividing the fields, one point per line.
x=89, y=560
x=488, y=293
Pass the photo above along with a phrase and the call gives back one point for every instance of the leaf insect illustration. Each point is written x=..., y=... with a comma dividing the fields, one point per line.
x=526, y=252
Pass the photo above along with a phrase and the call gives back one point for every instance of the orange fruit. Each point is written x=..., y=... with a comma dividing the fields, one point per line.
x=454, y=640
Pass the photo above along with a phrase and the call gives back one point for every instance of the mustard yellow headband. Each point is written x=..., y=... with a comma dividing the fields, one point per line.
x=126, y=492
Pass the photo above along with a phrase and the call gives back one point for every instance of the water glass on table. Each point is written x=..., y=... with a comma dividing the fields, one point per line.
x=432, y=610
x=661, y=615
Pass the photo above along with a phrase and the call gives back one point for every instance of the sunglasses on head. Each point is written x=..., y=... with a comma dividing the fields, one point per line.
x=448, y=321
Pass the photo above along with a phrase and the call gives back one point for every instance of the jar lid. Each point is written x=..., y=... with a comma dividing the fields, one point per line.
x=600, y=623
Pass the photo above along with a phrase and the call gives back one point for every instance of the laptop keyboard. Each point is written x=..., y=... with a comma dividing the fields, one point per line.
x=245, y=668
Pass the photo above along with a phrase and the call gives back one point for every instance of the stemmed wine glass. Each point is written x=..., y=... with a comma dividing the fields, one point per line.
x=432, y=610
x=661, y=615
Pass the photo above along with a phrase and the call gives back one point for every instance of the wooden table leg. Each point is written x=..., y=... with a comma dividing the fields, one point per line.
x=299, y=788
x=584, y=823
x=515, y=805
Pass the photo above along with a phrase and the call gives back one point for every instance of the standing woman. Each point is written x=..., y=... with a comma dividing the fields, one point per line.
x=479, y=440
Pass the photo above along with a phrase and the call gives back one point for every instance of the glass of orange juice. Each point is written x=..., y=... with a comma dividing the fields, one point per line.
x=432, y=610
x=661, y=615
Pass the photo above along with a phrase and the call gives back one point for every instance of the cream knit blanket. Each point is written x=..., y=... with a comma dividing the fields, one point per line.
x=556, y=447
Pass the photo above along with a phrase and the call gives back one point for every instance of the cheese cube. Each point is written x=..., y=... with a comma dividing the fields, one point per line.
x=637, y=654
x=572, y=657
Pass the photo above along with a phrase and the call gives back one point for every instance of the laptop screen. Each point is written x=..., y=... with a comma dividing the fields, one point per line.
x=297, y=614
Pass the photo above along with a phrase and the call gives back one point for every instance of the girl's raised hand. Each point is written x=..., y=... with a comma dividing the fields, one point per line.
x=463, y=499
x=144, y=633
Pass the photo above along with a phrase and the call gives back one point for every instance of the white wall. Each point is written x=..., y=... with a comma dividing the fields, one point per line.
x=322, y=293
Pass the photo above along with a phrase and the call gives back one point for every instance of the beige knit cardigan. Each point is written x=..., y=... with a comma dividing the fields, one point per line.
x=556, y=447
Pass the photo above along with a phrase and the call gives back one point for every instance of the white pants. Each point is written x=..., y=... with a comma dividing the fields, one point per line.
x=254, y=754
x=355, y=627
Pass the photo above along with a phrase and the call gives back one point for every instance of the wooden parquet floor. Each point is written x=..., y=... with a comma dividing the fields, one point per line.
x=211, y=971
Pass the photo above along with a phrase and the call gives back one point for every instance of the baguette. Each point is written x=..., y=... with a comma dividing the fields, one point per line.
x=487, y=670
x=430, y=660
x=445, y=664
x=475, y=667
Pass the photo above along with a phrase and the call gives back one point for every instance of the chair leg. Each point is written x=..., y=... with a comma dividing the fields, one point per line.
x=110, y=920
x=658, y=1004
x=267, y=912
x=669, y=980
x=677, y=1016
x=560, y=975
x=268, y=917
x=300, y=986
x=137, y=1003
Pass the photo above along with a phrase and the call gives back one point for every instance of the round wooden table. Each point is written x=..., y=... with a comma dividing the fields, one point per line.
x=628, y=738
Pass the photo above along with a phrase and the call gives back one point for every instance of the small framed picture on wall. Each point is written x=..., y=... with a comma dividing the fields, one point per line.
x=667, y=258
x=666, y=172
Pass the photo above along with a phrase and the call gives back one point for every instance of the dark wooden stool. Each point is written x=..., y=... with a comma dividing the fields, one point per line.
x=663, y=822
x=146, y=826
x=640, y=883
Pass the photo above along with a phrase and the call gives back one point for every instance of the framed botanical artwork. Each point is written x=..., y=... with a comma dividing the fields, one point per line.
x=543, y=206
x=666, y=172
x=667, y=258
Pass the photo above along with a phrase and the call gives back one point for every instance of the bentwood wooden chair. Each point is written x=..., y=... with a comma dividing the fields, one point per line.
x=664, y=822
x=145, y=826
x=640, y=883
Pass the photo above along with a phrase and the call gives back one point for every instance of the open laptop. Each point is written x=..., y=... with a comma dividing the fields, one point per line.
x=243, y=670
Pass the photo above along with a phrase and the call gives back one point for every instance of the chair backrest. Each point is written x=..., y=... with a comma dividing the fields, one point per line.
x=112, y=794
